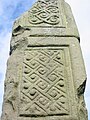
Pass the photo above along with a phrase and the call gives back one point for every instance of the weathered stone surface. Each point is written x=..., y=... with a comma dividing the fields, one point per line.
x=46, y=76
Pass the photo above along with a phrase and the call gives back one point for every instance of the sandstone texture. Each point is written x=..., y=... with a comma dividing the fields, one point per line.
x=46, y=76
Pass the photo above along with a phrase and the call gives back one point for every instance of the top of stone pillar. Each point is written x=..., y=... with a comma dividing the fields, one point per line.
x=48, y=15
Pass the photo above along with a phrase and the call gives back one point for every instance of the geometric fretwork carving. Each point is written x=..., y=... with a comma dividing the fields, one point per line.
x=46, y=11
x=43, y=88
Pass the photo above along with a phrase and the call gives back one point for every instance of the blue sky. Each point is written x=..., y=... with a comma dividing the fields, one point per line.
x=11, y=9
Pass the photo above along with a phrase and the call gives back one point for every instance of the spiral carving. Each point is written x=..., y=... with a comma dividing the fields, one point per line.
x=46, y=11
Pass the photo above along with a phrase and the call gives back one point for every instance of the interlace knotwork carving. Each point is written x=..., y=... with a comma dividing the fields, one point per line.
x=45, y=11
x=43, y=88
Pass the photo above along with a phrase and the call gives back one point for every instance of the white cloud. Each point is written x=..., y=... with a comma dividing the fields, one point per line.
x=4, y=53
x=88, y=106
x=4, y=49
x=1, y=94
x=1, y=10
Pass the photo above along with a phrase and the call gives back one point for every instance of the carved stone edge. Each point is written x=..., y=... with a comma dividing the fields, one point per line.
x=21, y=25
x=78, y=69
x=11, y=86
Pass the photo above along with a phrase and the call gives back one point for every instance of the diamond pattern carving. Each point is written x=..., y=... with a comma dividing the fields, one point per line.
x=43, y=87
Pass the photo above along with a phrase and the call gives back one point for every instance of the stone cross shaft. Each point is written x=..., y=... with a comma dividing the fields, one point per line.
x=45, y=77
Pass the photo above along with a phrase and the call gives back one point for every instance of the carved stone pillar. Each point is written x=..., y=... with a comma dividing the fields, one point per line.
x=45, y=77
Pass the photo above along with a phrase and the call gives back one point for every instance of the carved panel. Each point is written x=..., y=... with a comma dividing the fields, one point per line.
x=46, y=11
x=43, y=90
